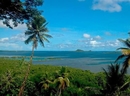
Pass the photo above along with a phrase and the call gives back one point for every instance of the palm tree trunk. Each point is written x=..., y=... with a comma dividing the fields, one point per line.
x=58, y=92
x=27, y=73
x=32, y=55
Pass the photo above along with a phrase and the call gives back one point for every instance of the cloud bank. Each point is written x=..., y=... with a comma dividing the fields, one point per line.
x=108, y=5
x=13, y=42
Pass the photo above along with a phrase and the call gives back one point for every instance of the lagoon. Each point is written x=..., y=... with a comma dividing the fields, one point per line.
x=86, y=60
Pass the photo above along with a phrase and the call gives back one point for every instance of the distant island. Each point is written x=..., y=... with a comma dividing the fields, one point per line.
x=79, y=50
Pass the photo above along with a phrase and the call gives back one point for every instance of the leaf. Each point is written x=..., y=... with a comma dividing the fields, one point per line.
x=119, y=57
x=126, y=42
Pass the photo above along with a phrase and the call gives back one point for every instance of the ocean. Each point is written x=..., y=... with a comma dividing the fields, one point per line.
x=85, y=60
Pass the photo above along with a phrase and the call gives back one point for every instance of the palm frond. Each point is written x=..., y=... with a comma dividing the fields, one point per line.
x=125, y=84
x=112, y=69
x=37, y=28
x=125, y=51
x=38, y=22
x=42, y=22
x=45, y=24
x=43, y=29
x=40, y=39
x=125, y=65
x=105, y=72
x=117, y=68
x=41, y=42
x=126, y=42
x=45, y=39
x=29, y=26
x=122, y=48
x=29, y=39
x=119, y=57
x=28, y=32
x=47, y=35
x=34, y=25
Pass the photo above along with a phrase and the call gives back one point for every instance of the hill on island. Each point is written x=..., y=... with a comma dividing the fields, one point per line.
x=79, y=50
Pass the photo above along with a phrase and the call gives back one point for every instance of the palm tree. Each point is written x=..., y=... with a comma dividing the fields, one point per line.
x=125, y=54
x=8, y=83
x=58, y=85
x=37, y=33
x=115, y=81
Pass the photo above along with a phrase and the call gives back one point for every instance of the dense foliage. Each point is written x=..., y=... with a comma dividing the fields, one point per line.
x=81, y=82
x=18, y=11
x=115, y=81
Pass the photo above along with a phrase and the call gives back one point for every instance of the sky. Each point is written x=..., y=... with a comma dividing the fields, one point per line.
x=76, y=24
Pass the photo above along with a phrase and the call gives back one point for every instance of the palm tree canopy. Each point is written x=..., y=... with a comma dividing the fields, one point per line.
x=115, y=79
x=37, y=31
x=124, y=51
x=125, y=54
x=125, y=42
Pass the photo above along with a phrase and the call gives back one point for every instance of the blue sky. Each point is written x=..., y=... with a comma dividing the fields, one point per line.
x=76, y=24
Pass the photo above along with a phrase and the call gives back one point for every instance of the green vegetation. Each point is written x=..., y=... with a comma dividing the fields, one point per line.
x=115, y=81
x=46, y=80
x=79, y=79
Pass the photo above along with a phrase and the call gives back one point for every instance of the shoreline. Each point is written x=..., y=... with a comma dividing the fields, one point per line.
x=93, y=64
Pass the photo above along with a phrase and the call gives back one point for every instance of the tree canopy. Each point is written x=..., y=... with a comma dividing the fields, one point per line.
x=18, y=11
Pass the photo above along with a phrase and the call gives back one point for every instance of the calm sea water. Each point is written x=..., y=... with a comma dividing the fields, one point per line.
x=64, y=54
x=87, y=60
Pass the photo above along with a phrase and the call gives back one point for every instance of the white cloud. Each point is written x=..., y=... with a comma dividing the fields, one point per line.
x=97, y=37
x=12, y=43
x=94, y=43
x=108, y=5
x=18, y=37
x=2, y=25
x=10, y=46
x=115, y=43
x=4, y=39
x=86, y=35
x=91, y=41
x=122, y=0
x=19, y=27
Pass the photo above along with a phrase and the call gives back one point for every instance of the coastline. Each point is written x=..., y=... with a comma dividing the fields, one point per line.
x=93, y=61
x=94, y=65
